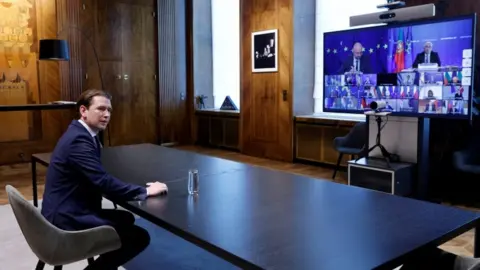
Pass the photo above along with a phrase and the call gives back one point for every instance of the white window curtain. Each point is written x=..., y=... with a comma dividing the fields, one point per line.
x=333, y=16
x=226, y=51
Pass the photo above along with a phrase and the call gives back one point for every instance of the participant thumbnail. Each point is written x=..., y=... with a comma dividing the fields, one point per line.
x=452, y=77
x=431, y=92
x=406, y=78
x=369, y=79
x=457, y=92
x=353, y=79
x=430, y=106
x=455, y=107
x=408, y=92
x=332, y=91
x=390, y=91
x=334, y=80
x=342, y=103
x=431, y=78
x=407, y=105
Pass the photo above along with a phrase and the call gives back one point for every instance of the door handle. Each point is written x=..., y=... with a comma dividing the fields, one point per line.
x=125, y=77
x=119, y=77
x=284, y=93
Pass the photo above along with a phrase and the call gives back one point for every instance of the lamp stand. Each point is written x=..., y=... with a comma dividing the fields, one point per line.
x=99, y=70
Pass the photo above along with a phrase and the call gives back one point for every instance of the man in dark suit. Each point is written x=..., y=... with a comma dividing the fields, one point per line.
x=357, y=62
x=427, y=56
x=76, y=182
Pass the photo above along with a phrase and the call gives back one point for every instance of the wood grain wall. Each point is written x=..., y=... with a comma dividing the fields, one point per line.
x=266, y=114
x=174, y=101
x=149, y=106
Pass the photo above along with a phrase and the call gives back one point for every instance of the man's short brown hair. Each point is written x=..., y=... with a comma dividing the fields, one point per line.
x=86, y=97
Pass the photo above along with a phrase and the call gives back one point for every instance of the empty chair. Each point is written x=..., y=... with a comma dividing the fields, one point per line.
x=467, y=160
x=353, y=143
x=467, y=169
x=54, y=246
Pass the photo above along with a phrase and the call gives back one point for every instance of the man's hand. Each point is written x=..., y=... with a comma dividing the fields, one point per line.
x=156, y=188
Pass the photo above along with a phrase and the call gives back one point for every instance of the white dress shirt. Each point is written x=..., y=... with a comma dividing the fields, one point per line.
x=93, y=133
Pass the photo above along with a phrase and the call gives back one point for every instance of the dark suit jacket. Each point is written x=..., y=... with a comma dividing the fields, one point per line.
x=76, y=182
x=365, y=65
x=420, y=59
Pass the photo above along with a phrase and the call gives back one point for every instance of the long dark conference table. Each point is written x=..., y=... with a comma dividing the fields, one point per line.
x=257, y=218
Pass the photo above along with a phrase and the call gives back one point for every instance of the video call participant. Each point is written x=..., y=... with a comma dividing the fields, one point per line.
x=427, y=56
x=357, y=62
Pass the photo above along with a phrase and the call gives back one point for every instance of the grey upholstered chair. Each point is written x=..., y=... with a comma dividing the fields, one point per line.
x=54, y=246
x=353, y=143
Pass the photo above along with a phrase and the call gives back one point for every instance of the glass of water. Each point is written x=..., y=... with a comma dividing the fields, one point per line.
x=193, y=184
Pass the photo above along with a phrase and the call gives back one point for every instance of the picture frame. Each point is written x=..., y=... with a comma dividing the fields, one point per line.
x=265, y=51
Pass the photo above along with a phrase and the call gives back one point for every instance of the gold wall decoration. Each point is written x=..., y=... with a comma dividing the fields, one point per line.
x=18, y=65
x=17, y=123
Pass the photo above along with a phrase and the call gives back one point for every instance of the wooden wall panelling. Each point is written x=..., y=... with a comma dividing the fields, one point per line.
x=124, y=34
x=314, y=140
x=218, y=129
x=69, y=28
x=139, y=64
x=125, y=37
x=173, y=121
x=266, y=119
x=190, y=68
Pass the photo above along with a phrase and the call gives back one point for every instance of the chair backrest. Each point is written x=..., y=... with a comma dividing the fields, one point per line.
x=357, y=137
x=40, y=234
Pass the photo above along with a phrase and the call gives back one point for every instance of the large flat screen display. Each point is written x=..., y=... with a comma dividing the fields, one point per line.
x=418, y=69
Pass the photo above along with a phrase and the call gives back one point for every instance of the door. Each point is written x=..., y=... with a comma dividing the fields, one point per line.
x=266, y=98
x=126, y=42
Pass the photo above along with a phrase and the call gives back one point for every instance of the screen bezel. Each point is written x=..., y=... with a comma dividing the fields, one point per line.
x=472, y=17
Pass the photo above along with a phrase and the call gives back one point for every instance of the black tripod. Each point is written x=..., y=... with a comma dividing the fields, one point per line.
x=386, y=155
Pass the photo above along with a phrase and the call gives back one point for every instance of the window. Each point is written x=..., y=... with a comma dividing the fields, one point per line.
x=333, y=16
x=226, y=51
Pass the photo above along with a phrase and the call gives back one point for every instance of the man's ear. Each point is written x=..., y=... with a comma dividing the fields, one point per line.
x=82, y=109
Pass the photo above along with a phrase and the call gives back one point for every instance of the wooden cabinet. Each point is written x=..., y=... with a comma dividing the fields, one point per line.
x=217, y=128
x=314, y=139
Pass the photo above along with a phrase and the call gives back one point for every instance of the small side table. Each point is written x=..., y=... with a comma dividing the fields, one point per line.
x=375, y=174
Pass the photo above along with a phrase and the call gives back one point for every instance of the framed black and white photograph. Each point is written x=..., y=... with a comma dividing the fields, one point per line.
x=264, y=51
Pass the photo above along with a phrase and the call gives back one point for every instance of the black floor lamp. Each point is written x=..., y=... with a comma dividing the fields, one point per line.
x=57, y=50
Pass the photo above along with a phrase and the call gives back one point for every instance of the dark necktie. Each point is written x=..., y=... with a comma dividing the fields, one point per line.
x=356, y=65
x=98, y=144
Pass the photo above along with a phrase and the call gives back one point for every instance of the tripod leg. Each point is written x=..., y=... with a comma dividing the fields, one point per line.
x=370, y=150
x=385, y=154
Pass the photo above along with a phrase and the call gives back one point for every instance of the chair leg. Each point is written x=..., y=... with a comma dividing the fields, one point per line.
x=58, y=267
x=338, y=165
x=40, y=265
x=90, y=260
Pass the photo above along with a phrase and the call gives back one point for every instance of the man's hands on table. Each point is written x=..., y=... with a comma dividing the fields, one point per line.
x=156, y=188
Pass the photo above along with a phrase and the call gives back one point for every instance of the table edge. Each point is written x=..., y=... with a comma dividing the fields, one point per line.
x=392, y=264
x=37, y=159
x=221, y=253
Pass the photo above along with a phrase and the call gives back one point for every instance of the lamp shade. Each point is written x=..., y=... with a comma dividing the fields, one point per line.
x=54, y=49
